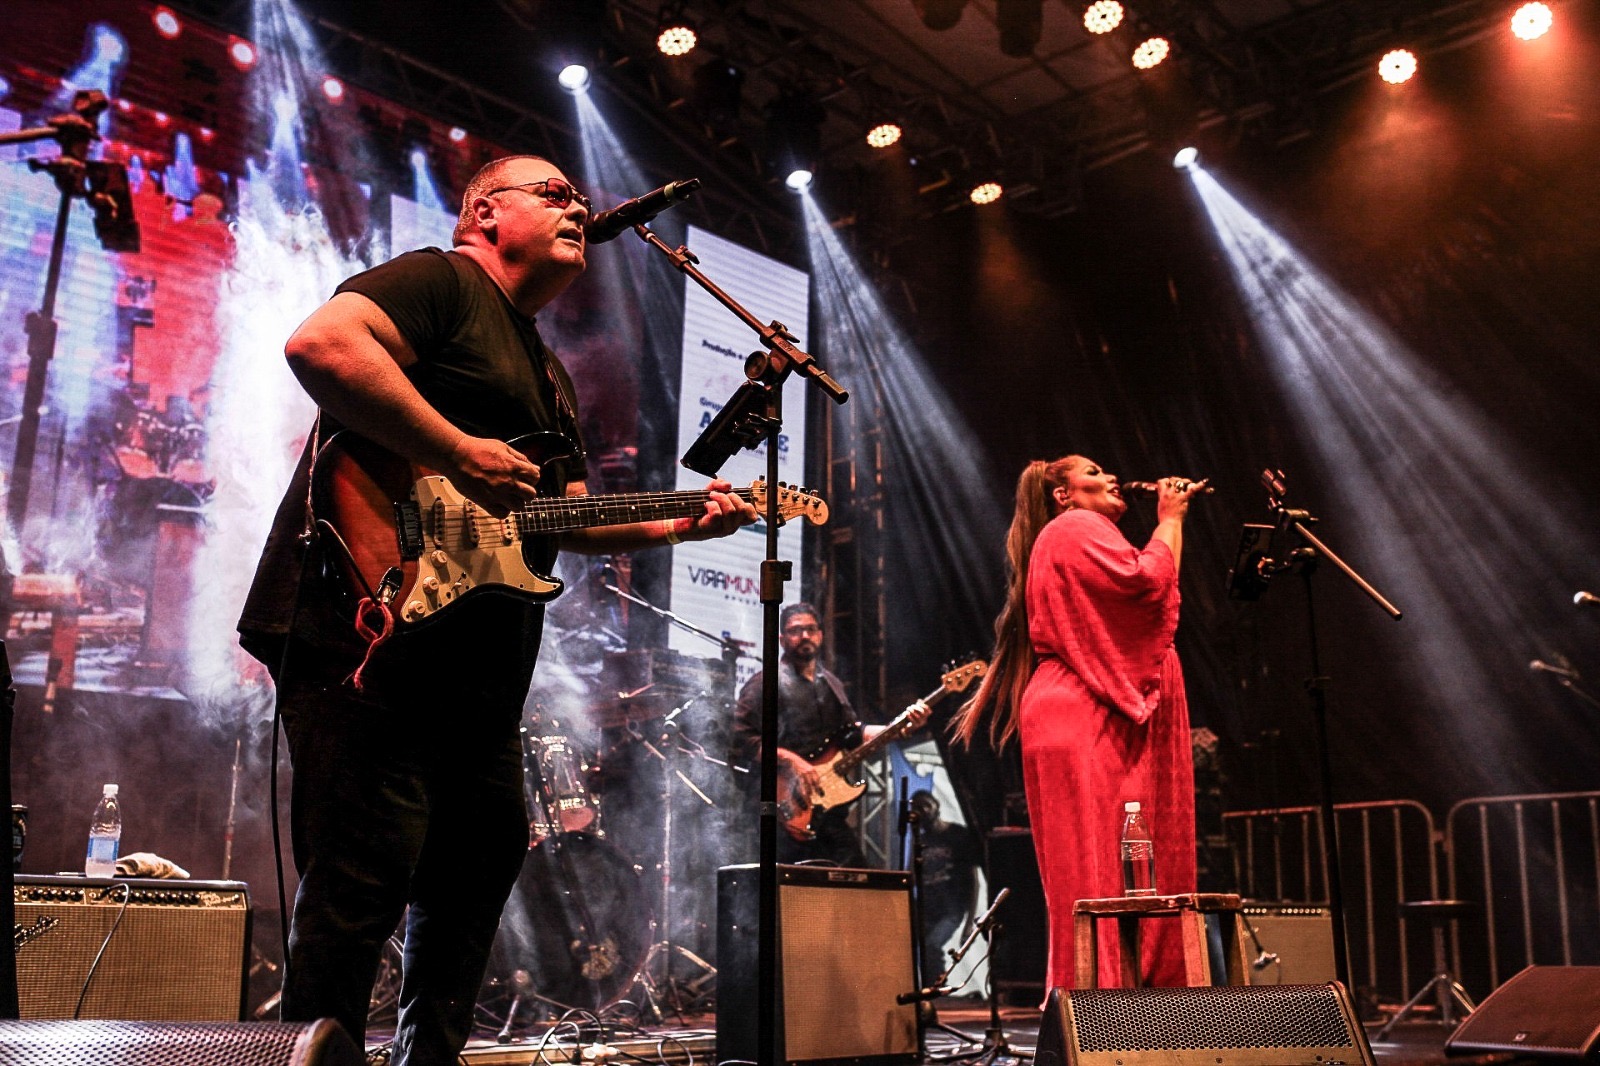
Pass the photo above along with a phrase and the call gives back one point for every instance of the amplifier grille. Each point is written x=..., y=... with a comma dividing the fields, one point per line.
x=1151, y=1019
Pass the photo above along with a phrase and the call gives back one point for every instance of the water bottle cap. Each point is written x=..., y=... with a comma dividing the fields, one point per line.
x=111, y=790
x=1132, y=806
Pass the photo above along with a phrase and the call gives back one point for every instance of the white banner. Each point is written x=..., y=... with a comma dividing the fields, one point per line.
x=717, y=584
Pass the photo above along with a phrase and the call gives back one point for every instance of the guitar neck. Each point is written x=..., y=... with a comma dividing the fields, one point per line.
x=891, y=732
x=558, y=514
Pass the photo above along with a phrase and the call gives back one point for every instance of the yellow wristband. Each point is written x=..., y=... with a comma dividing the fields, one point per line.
x=670, y=528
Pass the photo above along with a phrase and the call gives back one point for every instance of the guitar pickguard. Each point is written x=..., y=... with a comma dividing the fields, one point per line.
x=464, y=548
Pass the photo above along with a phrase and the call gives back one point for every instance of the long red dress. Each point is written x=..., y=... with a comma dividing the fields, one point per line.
x=1104, y=720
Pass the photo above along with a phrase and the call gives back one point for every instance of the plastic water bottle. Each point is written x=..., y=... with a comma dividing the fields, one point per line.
x=105, y=836
x=1138, y=853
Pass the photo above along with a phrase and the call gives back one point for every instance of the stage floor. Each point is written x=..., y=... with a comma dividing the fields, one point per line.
x=691, y=1040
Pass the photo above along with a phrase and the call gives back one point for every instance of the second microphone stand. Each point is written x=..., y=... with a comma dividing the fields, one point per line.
x=1249, y=579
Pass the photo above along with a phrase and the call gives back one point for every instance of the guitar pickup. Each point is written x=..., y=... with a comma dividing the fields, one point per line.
x=408, y=529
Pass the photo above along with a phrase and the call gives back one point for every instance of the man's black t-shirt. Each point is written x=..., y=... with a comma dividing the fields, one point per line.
x=482, y=365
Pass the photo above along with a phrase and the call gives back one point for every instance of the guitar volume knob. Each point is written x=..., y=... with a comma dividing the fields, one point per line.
x=430, y=583
x=439, y=557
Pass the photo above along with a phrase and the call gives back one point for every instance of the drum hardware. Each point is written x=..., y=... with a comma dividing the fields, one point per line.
x=669, y=743
x=578, y=924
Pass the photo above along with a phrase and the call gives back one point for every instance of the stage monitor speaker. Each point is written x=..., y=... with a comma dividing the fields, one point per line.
x=175, y=951
x=124, y=1043
x=1549, y=1011
x=844, y=954
x=1300, y=935
x=1212, y=1025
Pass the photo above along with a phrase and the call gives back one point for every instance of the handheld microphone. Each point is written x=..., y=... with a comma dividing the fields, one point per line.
x=613, y=223
x=1585, y=599
x=1548, y=668
x=1150, y=488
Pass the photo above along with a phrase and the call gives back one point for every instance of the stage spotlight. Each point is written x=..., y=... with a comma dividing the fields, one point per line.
x=161, y=117
x=1397, y=66
x=793, y=132
x=167, y=24
x=799, y=179
x=1151, y=52
x=1102, y=16
x=5, y=87
x=206, y=133
x=1532, y=21
x=242, y=52
x=676, y=37
x=884, y=134
x=457, y=134
x=574, y=78
x=940, y=14
x=333, y=89
x=986, y=193
x=1187, y=158
x=1020, y=23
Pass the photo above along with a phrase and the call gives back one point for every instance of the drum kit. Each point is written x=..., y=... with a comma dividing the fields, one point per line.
x=583, y=928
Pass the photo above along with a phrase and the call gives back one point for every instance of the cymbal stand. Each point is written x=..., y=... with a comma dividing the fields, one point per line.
x=671, y=742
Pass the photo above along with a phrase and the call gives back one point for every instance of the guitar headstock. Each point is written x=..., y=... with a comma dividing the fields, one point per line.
x=959, y=678
x=792, y=502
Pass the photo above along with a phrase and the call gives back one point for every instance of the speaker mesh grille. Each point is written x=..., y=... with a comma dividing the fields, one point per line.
x=1152, y=1019
x=846, y=954
x=122, y=1043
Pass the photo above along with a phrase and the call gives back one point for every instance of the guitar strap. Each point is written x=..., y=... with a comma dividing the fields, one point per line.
x=374, y=621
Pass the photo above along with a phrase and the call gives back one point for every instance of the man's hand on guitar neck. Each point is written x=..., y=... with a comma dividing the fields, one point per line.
x=492, y=474
x=916, y=717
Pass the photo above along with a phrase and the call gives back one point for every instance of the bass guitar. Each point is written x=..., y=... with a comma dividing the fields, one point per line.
x=838, y=777
x=400, y=527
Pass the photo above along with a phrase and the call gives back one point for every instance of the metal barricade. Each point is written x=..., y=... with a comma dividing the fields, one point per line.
x=1532, y=864
x=1389, y=852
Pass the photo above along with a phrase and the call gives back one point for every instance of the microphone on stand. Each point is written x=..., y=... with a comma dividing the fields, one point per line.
x=1559, y=671
x=1585, y=599
x=1150, y=488
x=620, y=219
x=1263, y=960
x=522, y=984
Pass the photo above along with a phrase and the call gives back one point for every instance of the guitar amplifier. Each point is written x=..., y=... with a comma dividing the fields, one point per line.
x=844, y=954
x=173, y=950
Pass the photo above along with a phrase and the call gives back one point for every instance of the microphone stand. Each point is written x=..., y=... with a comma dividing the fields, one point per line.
x=994, y=1046
x=1251, y=574
x=753, y=415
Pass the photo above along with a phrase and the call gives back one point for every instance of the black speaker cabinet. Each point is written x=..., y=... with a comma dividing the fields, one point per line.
x=174, y=950
x=844, y=954
x=1551, y=1011
x=1300, y=935
x=1213, y=1025
x=1022, y=942
x=124, y=1043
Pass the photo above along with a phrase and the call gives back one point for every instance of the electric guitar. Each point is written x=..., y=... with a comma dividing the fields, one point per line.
x=837, y=779
x=396, y=526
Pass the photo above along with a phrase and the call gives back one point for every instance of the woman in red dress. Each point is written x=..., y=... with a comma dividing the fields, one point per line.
x=1085, y=674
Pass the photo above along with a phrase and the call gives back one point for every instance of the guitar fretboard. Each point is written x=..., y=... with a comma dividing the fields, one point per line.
x=560, y=514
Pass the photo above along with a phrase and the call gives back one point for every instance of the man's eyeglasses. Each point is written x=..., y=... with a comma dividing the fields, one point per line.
x=556, y=193
x=800, y=631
